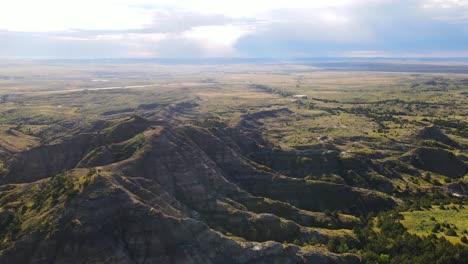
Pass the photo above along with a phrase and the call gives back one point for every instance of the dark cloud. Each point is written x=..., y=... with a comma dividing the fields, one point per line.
x=394, y=27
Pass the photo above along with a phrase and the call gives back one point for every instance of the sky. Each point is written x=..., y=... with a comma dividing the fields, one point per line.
x=87, y=29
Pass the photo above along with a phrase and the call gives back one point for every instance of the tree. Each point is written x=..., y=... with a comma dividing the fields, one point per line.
x=464, y=239
x=451, y=232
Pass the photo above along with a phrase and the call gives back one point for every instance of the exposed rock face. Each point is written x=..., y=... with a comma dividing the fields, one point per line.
x=21, y=142
x=48, y=160
x=438, y=161
x=309, y=195
x=169, y=195
x=312, y=162
x=107, y=223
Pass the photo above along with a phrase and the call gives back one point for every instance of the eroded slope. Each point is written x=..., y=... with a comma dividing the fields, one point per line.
x=156, y=193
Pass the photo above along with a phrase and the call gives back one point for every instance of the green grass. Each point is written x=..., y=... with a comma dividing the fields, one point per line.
x=422, y=222
x=359, y=116
x=36, y=207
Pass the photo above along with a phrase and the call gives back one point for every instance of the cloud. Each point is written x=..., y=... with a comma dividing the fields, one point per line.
x=446, y=4
x=62, y=15
x=199, y=41
x=29, y=45
x=450, y=11
x=397, y=27
x=224, y=28
x=170, y=32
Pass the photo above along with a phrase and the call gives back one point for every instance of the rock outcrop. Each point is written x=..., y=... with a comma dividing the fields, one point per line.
x=49, y=160
x=107, y=223
x=145, y=191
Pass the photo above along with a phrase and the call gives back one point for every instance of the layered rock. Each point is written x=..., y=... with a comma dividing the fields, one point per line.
x=154, y=193
x=48, y=160
x=106, y=223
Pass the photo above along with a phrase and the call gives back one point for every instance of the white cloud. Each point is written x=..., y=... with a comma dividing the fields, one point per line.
x=208, y=28
x=246, y=8
x=446, y=3
x=451, y=11
x=224, y=35
x=61, y=15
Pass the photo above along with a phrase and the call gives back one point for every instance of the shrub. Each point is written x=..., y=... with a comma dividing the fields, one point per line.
x=451, y=232
x=464, y=239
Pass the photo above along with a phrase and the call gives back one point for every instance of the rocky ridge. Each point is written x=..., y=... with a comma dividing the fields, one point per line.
x=144, y=191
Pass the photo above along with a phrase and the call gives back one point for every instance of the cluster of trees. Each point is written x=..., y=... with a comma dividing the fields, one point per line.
x=305, y=104
x=394, y=241
x=272, y=90
x=386, y=240
x=325, y=100
x=58, y=185
x=449, y=230
x=379, y=118
x=458, y=127
x=425, y=200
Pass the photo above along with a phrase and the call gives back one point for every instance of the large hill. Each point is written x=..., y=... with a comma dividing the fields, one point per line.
x=204, y=164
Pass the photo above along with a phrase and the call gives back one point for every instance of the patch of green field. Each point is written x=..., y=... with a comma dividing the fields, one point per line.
x=439, y=221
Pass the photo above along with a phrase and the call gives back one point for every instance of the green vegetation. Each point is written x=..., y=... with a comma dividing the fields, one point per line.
x=388, y=241
x=324, y=171
x=383, y=239
x=36, y=208
x=449, y=221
